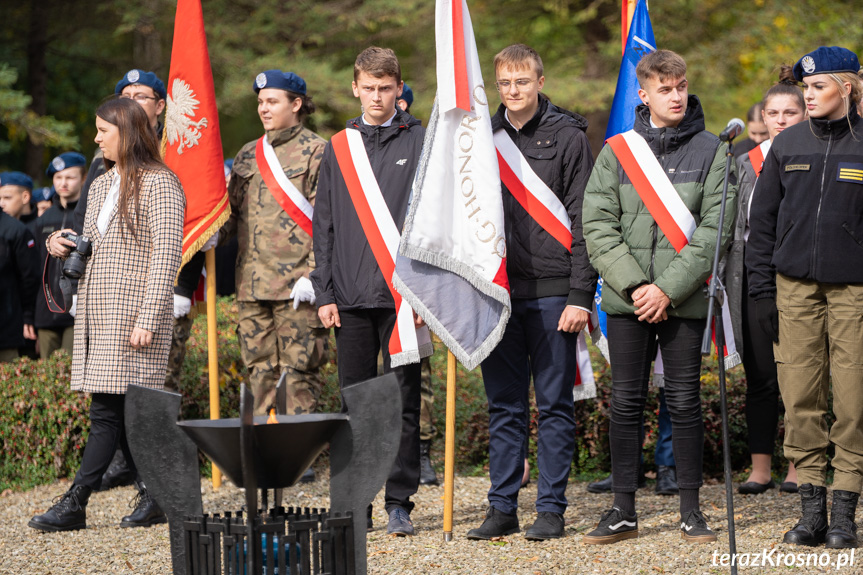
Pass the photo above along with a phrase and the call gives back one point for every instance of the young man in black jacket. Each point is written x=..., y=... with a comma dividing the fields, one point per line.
x=351, y=291
x=55, y=329
x=19, y=280
x=552, y=287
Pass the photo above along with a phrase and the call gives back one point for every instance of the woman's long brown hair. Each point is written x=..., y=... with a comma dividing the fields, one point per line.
x=138, y=150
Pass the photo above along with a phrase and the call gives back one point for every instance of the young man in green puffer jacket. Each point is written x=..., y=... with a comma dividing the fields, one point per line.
x=653, y=294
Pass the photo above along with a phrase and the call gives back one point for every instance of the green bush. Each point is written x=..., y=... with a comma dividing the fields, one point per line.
x=44, y=425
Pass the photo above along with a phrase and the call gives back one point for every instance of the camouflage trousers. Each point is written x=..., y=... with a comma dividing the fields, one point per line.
x=275, y=337
x=427, y=427
x=182, y=329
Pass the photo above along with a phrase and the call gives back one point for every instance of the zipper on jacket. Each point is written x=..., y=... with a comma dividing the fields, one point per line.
x=653, y=252
x=818, y=211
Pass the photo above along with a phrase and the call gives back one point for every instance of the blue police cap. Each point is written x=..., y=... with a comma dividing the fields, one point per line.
x=408, y=95
x=44, y=194
x=826, y=60
x=145, y=79
x=281, y=80
x=16, y=179
x=66, y=160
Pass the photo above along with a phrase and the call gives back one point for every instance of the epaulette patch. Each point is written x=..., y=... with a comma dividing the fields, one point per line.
x=850, y=172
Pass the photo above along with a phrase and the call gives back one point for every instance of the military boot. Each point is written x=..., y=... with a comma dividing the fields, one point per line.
x=812, y=527
x=427, y=472
x=68, y=513
x=118, y=473
x=842, y=533
x=146, y=511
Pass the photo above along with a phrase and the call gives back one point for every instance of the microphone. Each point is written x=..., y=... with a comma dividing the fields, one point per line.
x=734, y=128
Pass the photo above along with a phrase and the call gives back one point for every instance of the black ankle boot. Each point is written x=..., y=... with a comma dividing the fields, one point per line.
x=147, y=512
x=812, y=527
x=842, y=533
x=427, y=472
x=118, y=473
x=68, y=513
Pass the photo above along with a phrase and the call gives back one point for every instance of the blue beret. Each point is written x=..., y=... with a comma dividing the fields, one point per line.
x=145, y=79
x=229, y=165
x=16, y=179
x=408, y=95
x=826, y=60
x=66, y=160
x=44, y=194
x=281, y=80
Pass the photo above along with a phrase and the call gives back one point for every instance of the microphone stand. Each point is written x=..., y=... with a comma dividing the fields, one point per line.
x=715, y=297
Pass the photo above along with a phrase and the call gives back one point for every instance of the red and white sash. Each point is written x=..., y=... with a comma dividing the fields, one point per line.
x=531, y=192
x=585, y=382
x=408, y=343
x=668, y=210
x=289, y=197
x=757, y=155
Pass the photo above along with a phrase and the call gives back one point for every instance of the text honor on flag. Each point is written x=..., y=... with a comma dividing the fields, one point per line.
x=178, y=117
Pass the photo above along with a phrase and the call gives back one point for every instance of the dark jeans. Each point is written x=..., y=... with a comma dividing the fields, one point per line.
x=762, y=384
x=365, y=333
x=107, y=431
x=531, y=345
x=664, y=453
x=632, y=347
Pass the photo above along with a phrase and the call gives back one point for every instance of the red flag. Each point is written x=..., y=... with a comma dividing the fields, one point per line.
x=192, y=139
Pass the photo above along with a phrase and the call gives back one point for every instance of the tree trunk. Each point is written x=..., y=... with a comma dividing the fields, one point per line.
x=37, y=73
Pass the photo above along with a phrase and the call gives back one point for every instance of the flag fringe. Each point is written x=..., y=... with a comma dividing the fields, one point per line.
x=412, y=355
x=222, y=218
x=584, y=391
x=733, y=360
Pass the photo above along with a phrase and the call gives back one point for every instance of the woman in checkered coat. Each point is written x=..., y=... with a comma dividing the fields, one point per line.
x=125, y=299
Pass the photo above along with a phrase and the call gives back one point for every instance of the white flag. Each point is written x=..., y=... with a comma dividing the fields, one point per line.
x=452, y=258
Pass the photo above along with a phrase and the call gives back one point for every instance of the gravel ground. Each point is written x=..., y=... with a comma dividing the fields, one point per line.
x=104, y=548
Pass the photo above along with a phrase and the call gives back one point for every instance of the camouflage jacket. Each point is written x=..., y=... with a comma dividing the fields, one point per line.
x=273, y=250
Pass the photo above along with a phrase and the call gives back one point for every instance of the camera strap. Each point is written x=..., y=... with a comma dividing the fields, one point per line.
x=65, y=288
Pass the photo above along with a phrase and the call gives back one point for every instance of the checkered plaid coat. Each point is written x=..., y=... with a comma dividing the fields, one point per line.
x=128, y=283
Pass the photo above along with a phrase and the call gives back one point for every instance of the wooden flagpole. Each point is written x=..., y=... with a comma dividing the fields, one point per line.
x=449, y=448
x=212, y=348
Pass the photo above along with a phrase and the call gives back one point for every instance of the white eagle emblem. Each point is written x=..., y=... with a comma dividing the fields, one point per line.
x=808, y=64
x=178, y=117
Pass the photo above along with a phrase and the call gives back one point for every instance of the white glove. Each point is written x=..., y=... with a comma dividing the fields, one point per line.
x=303, y=291
x=73, y=311
x=211, y=243
x=182, y=305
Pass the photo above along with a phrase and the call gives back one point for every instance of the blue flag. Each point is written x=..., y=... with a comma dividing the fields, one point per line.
x=639, y=42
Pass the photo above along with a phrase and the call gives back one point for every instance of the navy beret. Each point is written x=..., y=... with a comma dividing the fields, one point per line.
x=66, y=160
x=16, y=179
x=145, y=79
x=408, y=95
x=826, y=60
x=281, y=80
x=229, y=165
x=44, y=194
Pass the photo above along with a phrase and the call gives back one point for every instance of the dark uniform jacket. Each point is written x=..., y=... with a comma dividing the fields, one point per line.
x=807, y=213
x=347, y=273
x=555, y=146
x=55, y=218
x=19, y=280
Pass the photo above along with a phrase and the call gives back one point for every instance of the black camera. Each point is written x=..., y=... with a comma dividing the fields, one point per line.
x=74, y=265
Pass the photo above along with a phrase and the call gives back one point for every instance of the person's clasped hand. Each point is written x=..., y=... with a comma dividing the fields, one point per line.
x=140, y=338
x=303, y=291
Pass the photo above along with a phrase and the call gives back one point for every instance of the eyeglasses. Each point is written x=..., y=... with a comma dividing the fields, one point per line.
x=521, y=83
x=138, y=97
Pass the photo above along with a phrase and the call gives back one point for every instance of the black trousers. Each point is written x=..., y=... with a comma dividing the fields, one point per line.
x=762, y=384
x=107, y=431
x=363, y=334
x=632, y=347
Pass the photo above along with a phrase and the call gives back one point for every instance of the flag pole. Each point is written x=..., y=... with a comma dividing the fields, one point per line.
x=449, y=448
x=212, y=351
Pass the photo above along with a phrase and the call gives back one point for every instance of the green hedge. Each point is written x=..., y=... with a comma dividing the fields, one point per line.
x=44, y=425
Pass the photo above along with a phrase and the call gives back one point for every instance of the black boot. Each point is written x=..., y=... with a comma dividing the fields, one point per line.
x=496, y=524
x=147, y=512
x=427, y=473
x=812, y=527
x=118, y=473
x=666, y=480
x=842, y=533
x=68, y=513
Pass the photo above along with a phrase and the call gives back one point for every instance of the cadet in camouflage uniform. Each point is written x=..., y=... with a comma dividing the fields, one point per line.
x=275, y=252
